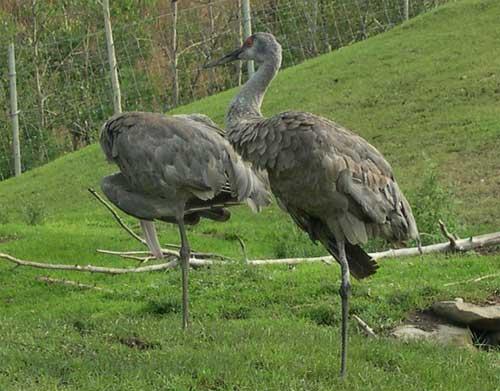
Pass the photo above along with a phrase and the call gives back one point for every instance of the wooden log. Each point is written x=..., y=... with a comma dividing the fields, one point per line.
x=461, y=245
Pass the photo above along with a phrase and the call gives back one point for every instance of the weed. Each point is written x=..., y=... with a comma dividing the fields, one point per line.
x=164, y=307
x=322, y=314
x=33, y=213
x=433, y=202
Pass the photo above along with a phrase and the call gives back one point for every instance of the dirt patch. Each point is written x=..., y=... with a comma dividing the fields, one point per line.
x=137, y=343
x=424, y=319
x=493, y=250
x=493, y=299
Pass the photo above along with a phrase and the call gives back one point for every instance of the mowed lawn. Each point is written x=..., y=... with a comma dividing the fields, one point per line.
x=427, y=94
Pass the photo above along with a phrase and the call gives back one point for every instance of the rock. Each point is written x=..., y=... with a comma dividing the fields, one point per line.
x=480, y=317
x=443, y=334
x=452, y=335
x=410, y=332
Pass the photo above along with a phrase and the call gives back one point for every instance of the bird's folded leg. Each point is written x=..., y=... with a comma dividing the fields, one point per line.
x=148, y=227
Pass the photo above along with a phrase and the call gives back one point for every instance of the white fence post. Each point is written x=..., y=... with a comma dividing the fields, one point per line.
x=117, y=98
x=406, y=9
x=247, y=30
x=14, y=113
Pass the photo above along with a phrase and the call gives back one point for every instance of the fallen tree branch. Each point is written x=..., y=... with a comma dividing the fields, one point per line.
x=463, y=245
x=101, y=269
x=471, y=243
x=451, y=237
x=473, y=279
x=50, y=280
x=127, y=254
x=168, y=253
x=367, y=329
x=117, y=218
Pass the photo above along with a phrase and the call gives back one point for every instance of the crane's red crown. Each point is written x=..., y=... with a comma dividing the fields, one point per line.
x=249, y=41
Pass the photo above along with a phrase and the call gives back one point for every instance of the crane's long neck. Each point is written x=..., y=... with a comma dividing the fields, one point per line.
x=247, y=103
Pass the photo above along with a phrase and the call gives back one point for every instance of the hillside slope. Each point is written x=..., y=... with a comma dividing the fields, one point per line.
x=427, y=91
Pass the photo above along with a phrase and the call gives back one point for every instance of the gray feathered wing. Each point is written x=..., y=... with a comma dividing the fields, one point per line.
x=354, y=188
x=176, y=159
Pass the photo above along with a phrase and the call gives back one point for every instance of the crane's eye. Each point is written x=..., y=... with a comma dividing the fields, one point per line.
x=249, y=42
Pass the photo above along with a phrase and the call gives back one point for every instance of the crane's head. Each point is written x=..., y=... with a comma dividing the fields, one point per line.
x=257, y=47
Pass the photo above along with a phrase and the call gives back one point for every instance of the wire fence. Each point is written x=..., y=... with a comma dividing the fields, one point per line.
x=64, y=86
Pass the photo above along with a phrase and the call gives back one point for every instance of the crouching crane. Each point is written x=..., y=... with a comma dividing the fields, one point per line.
x=176, y=169
x=334, y=184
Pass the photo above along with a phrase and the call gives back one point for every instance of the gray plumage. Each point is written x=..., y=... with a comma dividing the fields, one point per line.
x=334, y=184
x=320, y=170
x=176, y=169
x=175, y=163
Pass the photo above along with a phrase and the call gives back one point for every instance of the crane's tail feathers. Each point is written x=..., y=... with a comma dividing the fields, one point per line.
x=361, y=265
x=148, y=227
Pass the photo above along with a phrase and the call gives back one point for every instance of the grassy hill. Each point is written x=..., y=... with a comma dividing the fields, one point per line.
x=426, y=94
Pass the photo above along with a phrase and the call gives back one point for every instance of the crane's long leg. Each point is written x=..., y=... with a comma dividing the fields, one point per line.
x=148, y=227
x=185, y=254
x=345, y=291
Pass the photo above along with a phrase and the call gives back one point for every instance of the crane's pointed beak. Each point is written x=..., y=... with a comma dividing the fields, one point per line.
x=233, y=56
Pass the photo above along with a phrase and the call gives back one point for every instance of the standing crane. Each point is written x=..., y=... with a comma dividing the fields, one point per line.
x=335, y=185
x=176, y=169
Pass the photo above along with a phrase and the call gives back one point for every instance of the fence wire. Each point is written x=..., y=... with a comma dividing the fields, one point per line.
x=64, y=87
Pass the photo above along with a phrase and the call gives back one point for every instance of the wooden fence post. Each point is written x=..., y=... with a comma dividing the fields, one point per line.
x=14, y=112
x=247, y=30
x=175, y=54
x=117, y=98
x=406, y=9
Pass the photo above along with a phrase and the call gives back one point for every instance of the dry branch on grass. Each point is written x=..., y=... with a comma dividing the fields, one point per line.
x=367, y=329
x=477, y=279
x=101, y=269
x=57, y=281
x=202, y=259
x=453, y=245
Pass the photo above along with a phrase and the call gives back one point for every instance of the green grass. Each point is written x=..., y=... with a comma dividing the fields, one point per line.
x=426, y=94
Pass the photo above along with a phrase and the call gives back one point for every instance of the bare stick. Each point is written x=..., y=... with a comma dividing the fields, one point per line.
x=140, y=259
x=50, y=280
x=472, y=243
x=367, y=329
x=117, y=218
x=243, y=248
x=120, y=253
x=451, y=237
x=473, y=279
x=100, y=269
x=126, y=254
